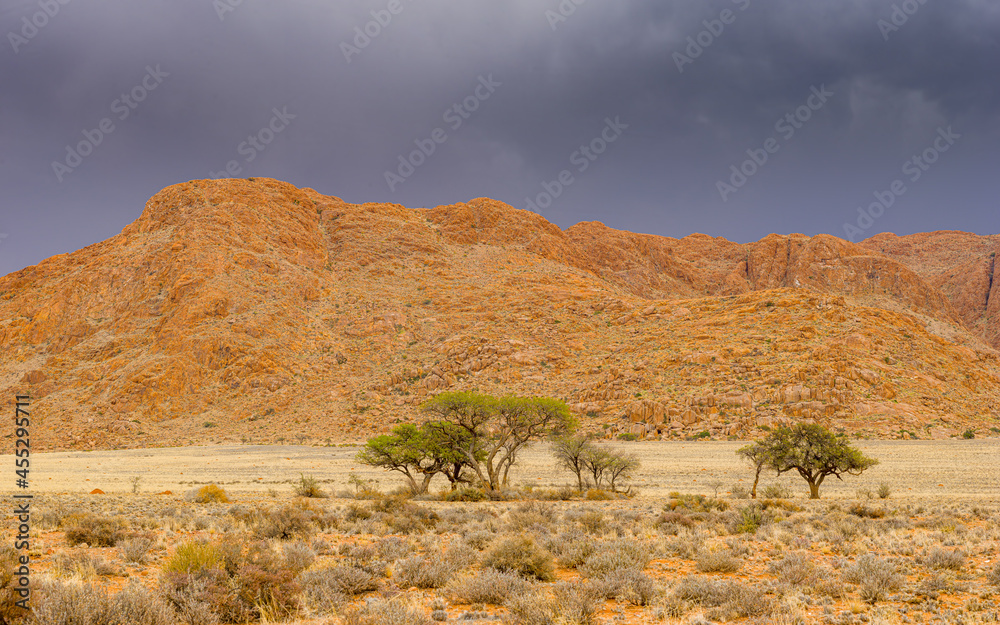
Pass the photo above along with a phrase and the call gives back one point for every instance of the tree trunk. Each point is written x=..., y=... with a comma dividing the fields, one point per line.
x=756, y=479
x=813, y=490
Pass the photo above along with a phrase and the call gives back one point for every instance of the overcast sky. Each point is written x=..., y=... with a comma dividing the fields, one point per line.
x=870, y=84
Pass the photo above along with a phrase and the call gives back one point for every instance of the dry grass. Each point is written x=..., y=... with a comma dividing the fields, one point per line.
x=651, y=559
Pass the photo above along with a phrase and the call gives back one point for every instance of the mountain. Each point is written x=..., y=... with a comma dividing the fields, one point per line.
x=252, y=310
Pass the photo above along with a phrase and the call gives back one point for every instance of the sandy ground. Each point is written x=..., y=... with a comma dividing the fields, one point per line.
x=914, y=469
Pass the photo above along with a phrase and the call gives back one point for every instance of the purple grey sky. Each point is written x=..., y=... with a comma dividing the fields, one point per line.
x=544, y=78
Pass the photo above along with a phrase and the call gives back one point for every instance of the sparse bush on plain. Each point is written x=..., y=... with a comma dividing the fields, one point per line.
x=521, y=555
x=382, y=612
x=940, y=558
x=210, y=493
x=795, y=569
x=875, y=577
x=717, y=561
x=93, y=530
x=135, y=549
x=308, y=486
x=616, y=555
x=487, y=586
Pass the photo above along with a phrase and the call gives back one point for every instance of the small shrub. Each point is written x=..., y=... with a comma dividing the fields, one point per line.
x=10, y=612
x=939, y=558
x=137, y=605
x=866, y=512
x=875, y=577
x=696, y=503
x=210, y=493
x=994, y=575
x=193, y=557
x=298, y=556
x=884, y=490
x=530, y=609
x=93, y=530
x=739, y=491
x=776, y=491
x=969, y=434
x=487, y=586
x=795, y=569
x=575, y=604
x=285, y=523
x=672, y=522
x=749, y=519
x=347, y=579
x=466, y=494
x=615, y=556
x=717, y=561
x=308, y=486
x=135, y=549
x=521, y=555
x=735, y=598
x=381, y=612
x=598, y=494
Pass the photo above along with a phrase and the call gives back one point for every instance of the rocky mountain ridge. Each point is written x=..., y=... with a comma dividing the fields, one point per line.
x=251, y=310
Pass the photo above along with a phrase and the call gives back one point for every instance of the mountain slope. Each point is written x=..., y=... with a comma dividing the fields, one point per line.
x=252, y=310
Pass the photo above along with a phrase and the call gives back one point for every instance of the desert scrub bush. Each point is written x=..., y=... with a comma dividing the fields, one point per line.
x=82, y=565
x=210, y=493
x=776, y=491
x=521, y=555
x=236, y=583
x=487, y=586
x=864, y=511
x=616, y=555
x=717, y=561
x=571, y=604
x=298, y=556
x=795, y=569
x=285, y=523
x=884, y=490
x=137, y=605
x=345, y=579
x=417, y=572
x=625, y=586
x=749, y=519
x=135, y=549
x=672, y=522
x=732, y=599
x=74, y=603
x=598, y=494
x=308, y=486
x=528, y=515
x=93, y=530
x=381, y=612
x=465, y=494
x=571, y=548
x=875, y=577
x=940, y=558
x=696, y=503
x=10, y=612
x=739, y=491
x=993, y=576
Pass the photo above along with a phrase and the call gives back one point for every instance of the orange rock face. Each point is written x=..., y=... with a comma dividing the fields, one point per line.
x=254, y=311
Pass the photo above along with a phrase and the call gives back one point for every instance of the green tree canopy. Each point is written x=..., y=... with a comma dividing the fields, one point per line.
x=812, y=451
x=490, y=432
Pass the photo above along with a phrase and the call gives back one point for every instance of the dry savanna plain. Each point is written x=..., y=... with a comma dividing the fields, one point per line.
x=202, y=535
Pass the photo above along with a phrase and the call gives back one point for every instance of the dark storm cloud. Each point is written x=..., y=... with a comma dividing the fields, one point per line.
x=222, y=74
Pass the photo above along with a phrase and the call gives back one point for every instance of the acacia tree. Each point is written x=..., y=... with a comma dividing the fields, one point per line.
x=405, y=451
x=814, y=452
x=490, y=432
x=570, y=452
x=608, y=466
x=756, y=456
